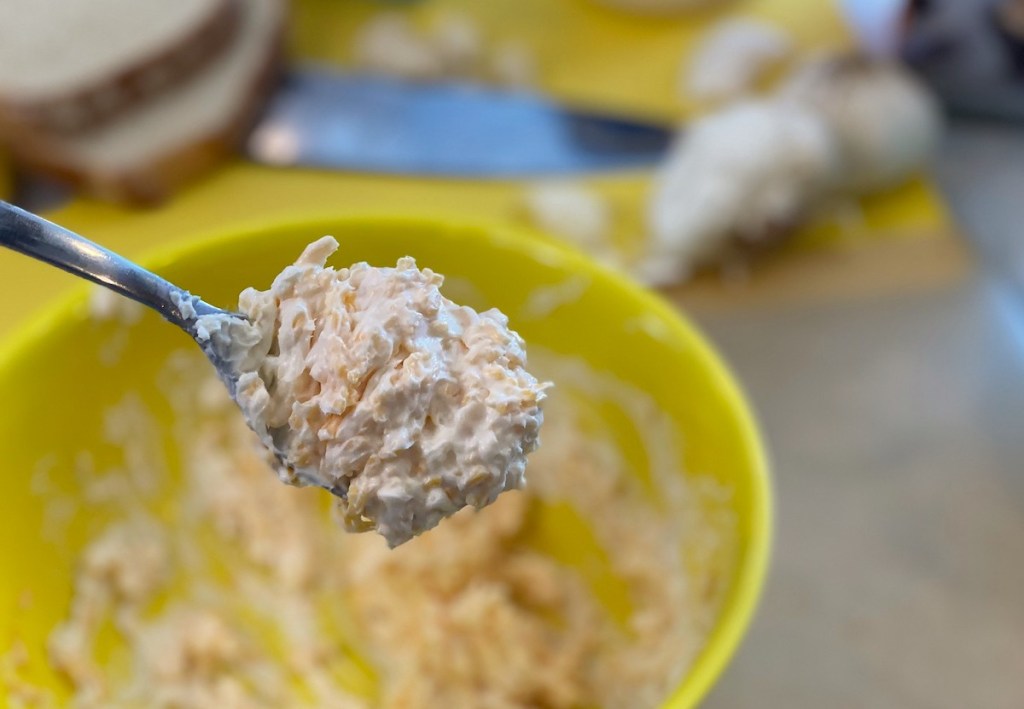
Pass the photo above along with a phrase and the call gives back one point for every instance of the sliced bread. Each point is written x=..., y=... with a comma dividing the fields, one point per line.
x=67, y=65
x=6, y=179
x=151, y=150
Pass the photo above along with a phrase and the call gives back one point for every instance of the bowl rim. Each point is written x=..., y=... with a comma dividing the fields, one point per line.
x=737, y=611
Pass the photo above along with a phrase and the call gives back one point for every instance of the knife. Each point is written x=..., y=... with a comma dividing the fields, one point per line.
x=329, y=119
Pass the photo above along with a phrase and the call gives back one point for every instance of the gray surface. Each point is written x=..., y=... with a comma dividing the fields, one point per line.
x=897, y=433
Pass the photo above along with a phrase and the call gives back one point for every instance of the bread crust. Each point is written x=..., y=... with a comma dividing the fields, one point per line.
x=151, y=183
x=6, y=178
x=99, y=102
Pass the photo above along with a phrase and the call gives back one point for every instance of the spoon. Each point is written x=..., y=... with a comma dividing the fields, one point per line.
x=34, y=236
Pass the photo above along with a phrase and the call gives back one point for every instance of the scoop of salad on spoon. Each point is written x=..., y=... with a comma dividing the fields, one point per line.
x=364, y=381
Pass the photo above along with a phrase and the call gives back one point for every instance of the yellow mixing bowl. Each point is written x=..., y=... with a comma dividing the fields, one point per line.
x=55, y=384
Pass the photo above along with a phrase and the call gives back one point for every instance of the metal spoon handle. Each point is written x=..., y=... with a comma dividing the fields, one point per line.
x=36, y=237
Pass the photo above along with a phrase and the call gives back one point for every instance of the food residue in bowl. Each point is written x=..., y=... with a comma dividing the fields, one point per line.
x=595, y=586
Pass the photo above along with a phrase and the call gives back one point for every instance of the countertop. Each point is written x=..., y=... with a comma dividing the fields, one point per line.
x=897, y=432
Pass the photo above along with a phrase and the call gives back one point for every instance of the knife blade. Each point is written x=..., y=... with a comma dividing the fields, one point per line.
x=328, y=119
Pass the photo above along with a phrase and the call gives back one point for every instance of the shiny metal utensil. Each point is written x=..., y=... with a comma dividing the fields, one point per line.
x=34, y=236
x=336, y=120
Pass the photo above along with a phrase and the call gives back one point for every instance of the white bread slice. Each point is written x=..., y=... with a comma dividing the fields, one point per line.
x=66, y=65
x=151, y=150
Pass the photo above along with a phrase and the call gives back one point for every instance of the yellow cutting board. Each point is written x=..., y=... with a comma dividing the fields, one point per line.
x=587, y=55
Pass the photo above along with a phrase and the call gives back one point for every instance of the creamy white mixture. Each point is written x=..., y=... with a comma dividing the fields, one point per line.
x=885, y=122
x=595, y=587
x=736, y=53
x=369, y=382
x=746, y=175
x=741, y=173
